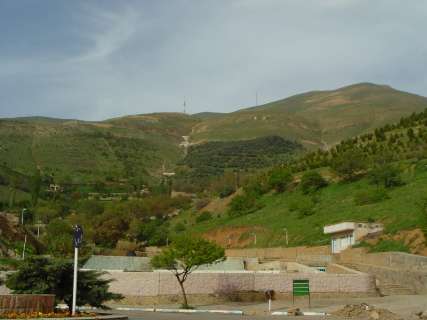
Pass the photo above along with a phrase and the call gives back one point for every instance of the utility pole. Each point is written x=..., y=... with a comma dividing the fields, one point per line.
x=185, y=105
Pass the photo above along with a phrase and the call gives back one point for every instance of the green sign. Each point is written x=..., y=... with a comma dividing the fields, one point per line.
x=301, y=288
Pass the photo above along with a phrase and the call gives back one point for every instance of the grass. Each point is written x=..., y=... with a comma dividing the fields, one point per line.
x=335, y=203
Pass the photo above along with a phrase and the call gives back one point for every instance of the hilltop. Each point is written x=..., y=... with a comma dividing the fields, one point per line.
x=317, y=119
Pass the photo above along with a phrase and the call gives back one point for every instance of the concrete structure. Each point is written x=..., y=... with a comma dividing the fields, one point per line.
x=161, y=286
x=347, y=234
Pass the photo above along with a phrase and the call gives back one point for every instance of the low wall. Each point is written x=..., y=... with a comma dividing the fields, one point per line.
x=27, y=303
x=394, y=260
x=156, y=284
x=406, y=270
x=308, y=255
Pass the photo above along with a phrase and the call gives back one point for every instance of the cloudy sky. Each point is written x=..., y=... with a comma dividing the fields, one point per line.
x=103, y=58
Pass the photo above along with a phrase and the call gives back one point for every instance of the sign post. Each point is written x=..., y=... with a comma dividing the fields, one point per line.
x=77, y=241
x=301, y=288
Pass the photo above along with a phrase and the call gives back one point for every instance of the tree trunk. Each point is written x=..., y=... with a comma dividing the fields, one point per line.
x=184, y=295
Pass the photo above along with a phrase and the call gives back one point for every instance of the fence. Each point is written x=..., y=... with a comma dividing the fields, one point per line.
x=27, y=303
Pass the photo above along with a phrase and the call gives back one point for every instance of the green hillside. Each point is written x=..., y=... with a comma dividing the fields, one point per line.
x=134, y=148
x=381, y=176
x=79, y=152
x=317, y=118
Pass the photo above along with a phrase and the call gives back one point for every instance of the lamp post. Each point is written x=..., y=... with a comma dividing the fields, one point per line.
x=77, y=241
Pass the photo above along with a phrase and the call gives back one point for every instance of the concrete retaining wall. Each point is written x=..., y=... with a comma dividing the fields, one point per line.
x=403, y=269
x=148, y=284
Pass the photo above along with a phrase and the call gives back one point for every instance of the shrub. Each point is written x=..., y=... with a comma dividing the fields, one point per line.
x=386, y=176
x=243, y=204
x=349, y=165
x=279, y=179
x=303, y=205
x=365, y=197
x=312, y=181
x=204, y=216
x=226, y=191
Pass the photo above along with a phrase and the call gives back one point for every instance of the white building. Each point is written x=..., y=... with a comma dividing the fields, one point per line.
x=346, y=234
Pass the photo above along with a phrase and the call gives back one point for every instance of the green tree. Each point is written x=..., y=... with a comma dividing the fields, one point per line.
x=185, y=255
x=312, y=181
x=279, y=179
x=58, y=238
x=41, y=275
x=385, y=175
x=349, y=165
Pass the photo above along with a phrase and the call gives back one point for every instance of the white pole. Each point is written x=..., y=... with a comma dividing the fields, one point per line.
x=76, y=254
x=269, y=305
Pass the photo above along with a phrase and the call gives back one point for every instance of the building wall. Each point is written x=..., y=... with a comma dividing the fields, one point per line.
x=148, y=284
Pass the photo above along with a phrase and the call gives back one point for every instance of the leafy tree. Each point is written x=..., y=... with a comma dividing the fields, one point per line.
x=385, y=175
x=349, y=165
x=41, y=275
x=109, y=229
x=185, y=255
x=58, y=238
x=312, y=181
x=279, y=179
x=243, y=204
x=153, y=232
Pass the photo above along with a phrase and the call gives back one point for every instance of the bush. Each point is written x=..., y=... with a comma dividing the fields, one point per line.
x=243, y=204
x=349, y=165
x=312, y=181
x=365, y=197
x=304, y=206
x=226, y=191
x=386, y=176
x=279, y=179
x=390, y=245
x=204, y=216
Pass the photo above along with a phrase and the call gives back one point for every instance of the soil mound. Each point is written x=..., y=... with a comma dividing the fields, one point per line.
x=365, y=312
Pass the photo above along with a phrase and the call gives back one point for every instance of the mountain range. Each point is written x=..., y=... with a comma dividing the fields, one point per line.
x=141, y=146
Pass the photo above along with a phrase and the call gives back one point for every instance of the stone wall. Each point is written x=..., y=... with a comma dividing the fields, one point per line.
x=149, y=284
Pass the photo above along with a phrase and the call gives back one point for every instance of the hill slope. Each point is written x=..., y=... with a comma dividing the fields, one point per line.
x=78, y=151
x=136, y=147
x=316, y=119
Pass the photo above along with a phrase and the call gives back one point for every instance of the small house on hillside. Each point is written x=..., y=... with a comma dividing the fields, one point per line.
x=347, y=234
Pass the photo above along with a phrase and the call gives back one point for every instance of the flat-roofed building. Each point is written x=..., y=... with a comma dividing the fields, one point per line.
x=347, y=234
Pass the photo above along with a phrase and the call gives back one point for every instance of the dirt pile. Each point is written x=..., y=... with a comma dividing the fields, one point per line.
x=365, y=312
x=234, y=237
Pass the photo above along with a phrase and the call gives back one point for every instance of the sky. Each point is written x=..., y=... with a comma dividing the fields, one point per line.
x=99, y=59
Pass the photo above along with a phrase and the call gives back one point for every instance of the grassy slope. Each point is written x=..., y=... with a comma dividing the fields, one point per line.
x=84, y=151
x=318, y=118
x=336, y=203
